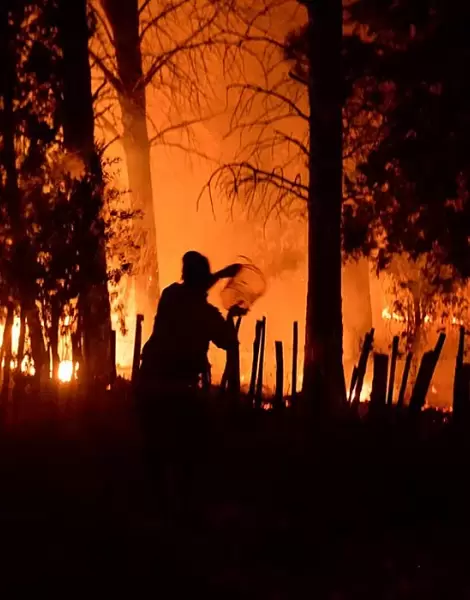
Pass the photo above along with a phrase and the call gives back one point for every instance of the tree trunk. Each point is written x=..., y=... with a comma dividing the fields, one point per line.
x=21, y=341
x=78, y=120
x=38, y=349
x=54, y=338
x=324, y=383
x=416, y=341
x=123, y=16
x=6, y=353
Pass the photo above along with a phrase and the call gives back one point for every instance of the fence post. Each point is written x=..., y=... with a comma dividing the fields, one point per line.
x=255, y=362
x=278, y=398
x=379, y=382
x=137, y=347
x=393, y=368
x=259, y=382
x=295, y=352
x=362, y=366
x=404, y=380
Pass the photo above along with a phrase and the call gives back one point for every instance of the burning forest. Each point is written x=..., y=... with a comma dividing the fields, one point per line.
x=197, y=136
x=234, y=297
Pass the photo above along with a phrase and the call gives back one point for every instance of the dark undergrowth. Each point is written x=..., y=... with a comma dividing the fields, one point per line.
x=255, y=505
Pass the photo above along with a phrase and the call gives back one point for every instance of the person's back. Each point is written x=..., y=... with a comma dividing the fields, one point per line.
x=185, y=324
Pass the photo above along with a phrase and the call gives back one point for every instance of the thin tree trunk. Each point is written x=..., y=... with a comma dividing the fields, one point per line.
x=324, y=383
x=38, y=348
x=416, y=342
x=6, y=353
x=54, y=338
x=78, y=121
x=123, y=16
x=21, y=341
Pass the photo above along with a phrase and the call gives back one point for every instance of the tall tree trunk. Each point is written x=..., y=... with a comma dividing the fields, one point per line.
x=38, y=348
x=416, y=345
x=78, y=120
x=21, y=340
x=324, y=381
x=123, y=16
x=6, y=353
x=54, y=337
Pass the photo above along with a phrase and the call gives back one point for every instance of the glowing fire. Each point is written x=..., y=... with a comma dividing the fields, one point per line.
x=67, y=371
x=365, y=392
x=388, y=316
x=66, y=368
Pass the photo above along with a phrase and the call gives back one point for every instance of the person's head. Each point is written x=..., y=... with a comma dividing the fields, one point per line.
x=196, y=270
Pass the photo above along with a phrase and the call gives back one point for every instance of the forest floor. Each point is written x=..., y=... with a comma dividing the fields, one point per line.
x=280, y=509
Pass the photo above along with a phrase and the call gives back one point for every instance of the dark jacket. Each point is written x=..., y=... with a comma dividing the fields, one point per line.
x=184, y=326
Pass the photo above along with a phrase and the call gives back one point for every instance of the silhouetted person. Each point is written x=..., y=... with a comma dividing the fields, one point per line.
x=175, y=355
x=173, y=362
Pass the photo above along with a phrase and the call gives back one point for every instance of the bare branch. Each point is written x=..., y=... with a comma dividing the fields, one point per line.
x=109, y=126
x=145, y=4
x=273, y=94
x=104, y=24
x=171, y=8
x=99, y=89
x=242, y=174
x=110, y=143
x=176, y=127
x=110, y=76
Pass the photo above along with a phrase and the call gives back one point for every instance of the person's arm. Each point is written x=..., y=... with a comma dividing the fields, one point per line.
x=225, y=273
x=223, y=333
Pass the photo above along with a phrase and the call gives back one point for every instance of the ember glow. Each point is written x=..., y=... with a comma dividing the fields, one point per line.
x=388, y=316
x=67, y=372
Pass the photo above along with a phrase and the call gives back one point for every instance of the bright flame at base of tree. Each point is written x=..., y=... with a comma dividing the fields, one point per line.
x=365, y=392
x=67, y=371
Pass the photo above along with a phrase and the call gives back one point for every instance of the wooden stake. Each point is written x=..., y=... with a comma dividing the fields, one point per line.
x=404, y=380
x=459, y=395
x=393, y=367
x=279, y=374
x=295, y=352
x=353, y=383
x=254, y=364
x=232, y=366
x=362, y=367
x=137, y=347
x=379, y=382
x=425, y=374
x=259, y=382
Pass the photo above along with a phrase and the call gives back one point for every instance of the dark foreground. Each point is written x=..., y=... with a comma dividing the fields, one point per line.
x=280, y=508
